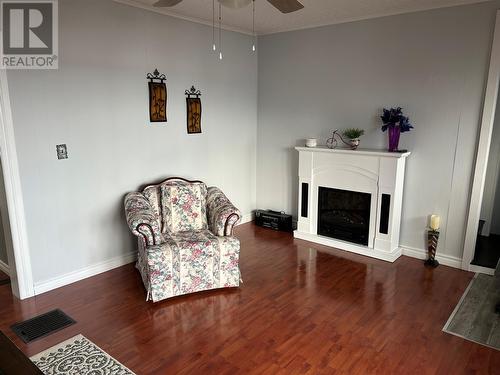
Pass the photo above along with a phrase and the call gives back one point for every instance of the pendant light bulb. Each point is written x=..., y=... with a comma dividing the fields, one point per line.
x=214, y=47
x=220, y=31
x=253, y=26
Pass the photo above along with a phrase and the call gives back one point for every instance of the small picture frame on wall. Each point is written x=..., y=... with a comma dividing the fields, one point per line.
x=193, y=105
x=157, y=97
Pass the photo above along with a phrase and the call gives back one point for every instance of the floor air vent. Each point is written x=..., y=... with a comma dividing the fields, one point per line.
x=42, y=325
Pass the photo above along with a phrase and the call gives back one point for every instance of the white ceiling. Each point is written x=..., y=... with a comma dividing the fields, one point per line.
x=316, y=12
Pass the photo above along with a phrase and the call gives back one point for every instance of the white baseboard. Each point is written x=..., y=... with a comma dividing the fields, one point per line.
x=446, y=260
x=247, y=218
x=69, y=278
x=72, y=277
x=4, y=267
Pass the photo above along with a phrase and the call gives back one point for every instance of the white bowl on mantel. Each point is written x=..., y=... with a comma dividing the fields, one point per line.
x=311, y=142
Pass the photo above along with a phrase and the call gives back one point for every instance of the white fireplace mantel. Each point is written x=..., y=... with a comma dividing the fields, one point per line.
x=377, y=172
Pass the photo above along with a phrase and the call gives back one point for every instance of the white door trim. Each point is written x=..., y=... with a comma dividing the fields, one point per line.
x=22, y=272
x=483, y=150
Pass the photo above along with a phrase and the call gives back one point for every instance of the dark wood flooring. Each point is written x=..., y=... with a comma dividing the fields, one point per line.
x=303, y=309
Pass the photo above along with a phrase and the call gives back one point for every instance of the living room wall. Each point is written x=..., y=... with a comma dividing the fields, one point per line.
x=433, y=64
x=97, y=103
x=310, y=82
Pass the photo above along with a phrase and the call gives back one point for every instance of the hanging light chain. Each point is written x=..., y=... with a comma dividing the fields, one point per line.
x=253, y=26
x=214, y=45
x=220, y=31
x=213, y=26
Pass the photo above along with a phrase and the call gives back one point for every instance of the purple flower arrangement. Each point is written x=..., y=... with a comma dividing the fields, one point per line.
x=394, y=117
x=397, y=123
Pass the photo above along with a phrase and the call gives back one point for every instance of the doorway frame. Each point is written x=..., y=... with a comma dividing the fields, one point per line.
x=21, y=272
x=483, y=152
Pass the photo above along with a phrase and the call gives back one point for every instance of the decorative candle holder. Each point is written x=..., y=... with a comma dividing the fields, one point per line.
x=432, y=242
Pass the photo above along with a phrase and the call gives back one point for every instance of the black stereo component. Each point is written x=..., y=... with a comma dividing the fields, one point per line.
x=274, y=220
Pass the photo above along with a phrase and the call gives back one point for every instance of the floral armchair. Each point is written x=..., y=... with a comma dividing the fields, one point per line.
x=184, y=232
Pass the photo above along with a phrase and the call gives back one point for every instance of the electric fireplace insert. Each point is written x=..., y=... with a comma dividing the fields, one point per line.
x=344, y=215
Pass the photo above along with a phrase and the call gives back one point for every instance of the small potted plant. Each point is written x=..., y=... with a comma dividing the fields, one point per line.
x=353, y=134
x=394, y=121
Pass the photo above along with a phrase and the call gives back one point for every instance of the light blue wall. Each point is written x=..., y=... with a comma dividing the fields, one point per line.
x=309, y=82
x=432, y=63
x=97, y=103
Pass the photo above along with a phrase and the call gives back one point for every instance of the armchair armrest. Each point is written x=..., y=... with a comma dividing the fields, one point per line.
x=222, y=215
x=141, y=218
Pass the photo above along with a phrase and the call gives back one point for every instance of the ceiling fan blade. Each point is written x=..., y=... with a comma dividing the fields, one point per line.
x=286, y=6
x=166, y=3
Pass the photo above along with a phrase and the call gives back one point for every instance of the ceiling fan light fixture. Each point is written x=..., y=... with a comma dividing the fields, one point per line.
x=284, y=6
x=235, y=4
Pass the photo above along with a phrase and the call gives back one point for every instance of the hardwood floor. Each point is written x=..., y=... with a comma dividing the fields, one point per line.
x=303, y=309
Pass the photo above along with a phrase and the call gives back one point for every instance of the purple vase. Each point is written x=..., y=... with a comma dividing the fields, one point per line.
x=394, y=133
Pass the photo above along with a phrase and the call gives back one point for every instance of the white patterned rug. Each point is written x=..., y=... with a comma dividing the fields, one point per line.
x=78, y=356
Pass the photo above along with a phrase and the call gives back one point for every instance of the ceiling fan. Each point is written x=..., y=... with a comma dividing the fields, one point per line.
x=284, y=6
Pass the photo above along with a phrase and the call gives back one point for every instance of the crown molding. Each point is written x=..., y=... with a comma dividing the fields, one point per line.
x=371, y=16
x=417, y=9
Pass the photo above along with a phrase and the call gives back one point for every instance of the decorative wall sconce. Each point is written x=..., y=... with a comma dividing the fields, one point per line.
x=157, y=97
x=193, y=105
x=432, y=241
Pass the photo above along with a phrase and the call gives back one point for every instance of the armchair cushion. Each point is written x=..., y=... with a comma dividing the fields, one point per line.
x=184, y=207
x=189, y=262
x=153, y=193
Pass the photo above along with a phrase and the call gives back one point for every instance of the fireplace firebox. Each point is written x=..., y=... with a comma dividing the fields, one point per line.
x=344, y=215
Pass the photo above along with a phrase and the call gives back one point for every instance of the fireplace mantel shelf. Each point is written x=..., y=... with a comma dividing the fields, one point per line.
x=359, y=151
